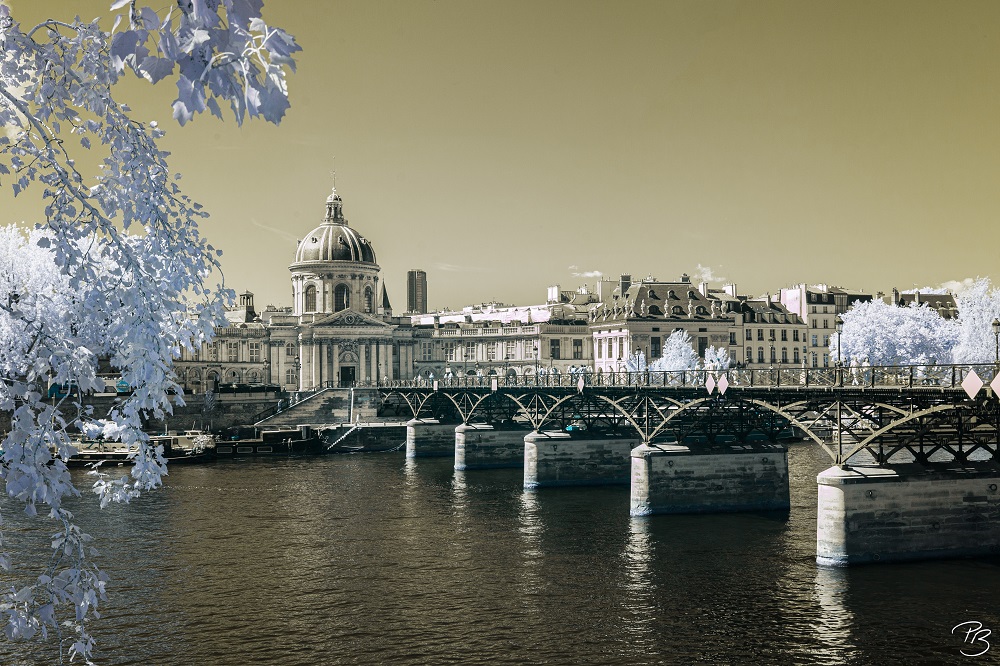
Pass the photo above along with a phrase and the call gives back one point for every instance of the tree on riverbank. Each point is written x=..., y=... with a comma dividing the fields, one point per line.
x=879, y=333
x=118, y=267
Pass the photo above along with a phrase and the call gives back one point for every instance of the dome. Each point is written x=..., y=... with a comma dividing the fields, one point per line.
x=334, y=240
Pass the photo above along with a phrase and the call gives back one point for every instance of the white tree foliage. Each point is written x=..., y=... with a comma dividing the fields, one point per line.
x=677, y=355
x=877, y=333
x=717, y=359
x=116, y=267
x=978, y=306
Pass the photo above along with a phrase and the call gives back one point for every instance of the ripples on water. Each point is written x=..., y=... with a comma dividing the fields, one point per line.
x=377, y=559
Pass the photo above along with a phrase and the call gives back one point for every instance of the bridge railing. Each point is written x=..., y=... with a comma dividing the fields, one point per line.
x=929, y=376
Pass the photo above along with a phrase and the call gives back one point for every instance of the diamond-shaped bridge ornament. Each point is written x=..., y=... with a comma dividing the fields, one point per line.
x=972, y=384
x=995, y=385
x=724, y=384
x=710, y=384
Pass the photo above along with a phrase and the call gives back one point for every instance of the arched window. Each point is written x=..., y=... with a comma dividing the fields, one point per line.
x=253, y=377
x=341, y=298
x=677, y=310
x=310, y=298
x=369, y=300
x=654, y=310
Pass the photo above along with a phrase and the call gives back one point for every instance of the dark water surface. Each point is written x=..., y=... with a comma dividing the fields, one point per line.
x=367, y=559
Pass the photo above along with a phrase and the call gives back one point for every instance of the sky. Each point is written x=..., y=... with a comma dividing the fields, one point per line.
x=507, y=146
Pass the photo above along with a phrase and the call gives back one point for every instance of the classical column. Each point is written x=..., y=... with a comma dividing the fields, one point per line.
x=336, y=364
x=314, y=362
x=374, y=360
x=392, y=371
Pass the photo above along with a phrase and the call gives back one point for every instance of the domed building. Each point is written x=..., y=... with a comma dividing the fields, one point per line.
x=340, y=329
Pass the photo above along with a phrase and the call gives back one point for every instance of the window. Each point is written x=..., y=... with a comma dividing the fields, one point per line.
x=824, y=312
x=310, y=305
x=577, y=349
x=760, y=334
x=795, y=355
x=760, y=354
x=426, y=351
x=491, y=351
x=771, y=335
x=749, y=354
x=369, y=300
x=654, y=348
x=784, y=355
x=213, y=351
x=814, y=323
x=341, y=298
x=598, y=349
x=470, y=351
x=774, y=356
x=196, y=353
x=554, y=349
x=255, y=352
x=814, y=343
x=826, y=323
x=795, y=335
x=814, y=364
x=813, y=309
x=826, y=340
x=609, y=354
x=784, y=335
x=449, y=351
x=290, y=376
x=509, y=351
x=826, y=360
x=732, y=338
x=232, y=351
x=749, y=334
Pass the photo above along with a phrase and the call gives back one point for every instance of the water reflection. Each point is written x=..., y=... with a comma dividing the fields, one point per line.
x=641, y=589
x=832, y=625
x=530, y=529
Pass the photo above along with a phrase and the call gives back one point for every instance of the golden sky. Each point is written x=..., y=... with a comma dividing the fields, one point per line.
x=497, y=145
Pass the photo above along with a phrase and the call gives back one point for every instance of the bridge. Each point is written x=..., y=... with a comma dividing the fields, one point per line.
x=879, y=415
x=914, y=448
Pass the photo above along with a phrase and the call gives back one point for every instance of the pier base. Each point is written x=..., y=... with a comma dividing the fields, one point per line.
x=907, y=512
x=427, y=438
x=673, y=479
x=481, y=446
x=554, y=458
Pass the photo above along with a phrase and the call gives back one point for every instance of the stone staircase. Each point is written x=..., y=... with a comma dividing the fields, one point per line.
x=327, y=407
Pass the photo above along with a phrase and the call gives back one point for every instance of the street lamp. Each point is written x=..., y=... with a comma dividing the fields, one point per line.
x=267, y=372
x=298, y=366
x=839, y=324
x=534, y=355
x=996, y=338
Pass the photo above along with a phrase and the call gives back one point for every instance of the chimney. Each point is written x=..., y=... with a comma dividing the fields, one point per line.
x=895, y=296
x=703, y=288
x=730, y=289
x=625, y=283
x=767, y=299
x=916, y=297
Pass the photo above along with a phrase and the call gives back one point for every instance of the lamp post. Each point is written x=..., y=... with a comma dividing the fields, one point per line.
x=267, y=372
x=839, y=325
x=298, y=366
x=534, y=355
x=996, y=341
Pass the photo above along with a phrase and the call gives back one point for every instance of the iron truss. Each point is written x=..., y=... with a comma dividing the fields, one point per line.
x=851, y=423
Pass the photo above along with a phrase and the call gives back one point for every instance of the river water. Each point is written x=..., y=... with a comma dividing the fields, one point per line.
x=369, y=559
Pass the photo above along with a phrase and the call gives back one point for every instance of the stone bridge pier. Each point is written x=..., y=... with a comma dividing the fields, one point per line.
x=907, y=511
x=674, y=479
x=429, y=438
x=557, y=458
x=484, y=446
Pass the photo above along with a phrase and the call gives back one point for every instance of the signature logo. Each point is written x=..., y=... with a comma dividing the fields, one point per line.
x=975, y=635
